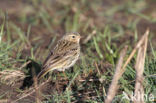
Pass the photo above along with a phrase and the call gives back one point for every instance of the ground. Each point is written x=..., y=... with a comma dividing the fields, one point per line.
x=29, y=29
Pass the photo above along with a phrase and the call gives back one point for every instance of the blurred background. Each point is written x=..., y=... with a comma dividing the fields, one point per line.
x=30, y=28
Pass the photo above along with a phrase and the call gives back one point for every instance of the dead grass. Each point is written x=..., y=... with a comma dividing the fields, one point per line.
x=11, y=77
x=29, y=29
x=139, y=90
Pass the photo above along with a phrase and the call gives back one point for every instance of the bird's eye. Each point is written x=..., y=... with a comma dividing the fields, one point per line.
x=73, y=36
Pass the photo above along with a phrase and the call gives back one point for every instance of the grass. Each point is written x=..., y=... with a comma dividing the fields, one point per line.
x=31, y=36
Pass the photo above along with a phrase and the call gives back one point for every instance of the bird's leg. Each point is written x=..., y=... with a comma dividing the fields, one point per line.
x=64, y=73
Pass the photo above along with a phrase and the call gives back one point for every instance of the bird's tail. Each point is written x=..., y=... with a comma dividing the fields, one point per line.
x=43, y=73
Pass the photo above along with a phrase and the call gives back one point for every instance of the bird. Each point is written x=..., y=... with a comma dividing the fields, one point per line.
x=64, y=55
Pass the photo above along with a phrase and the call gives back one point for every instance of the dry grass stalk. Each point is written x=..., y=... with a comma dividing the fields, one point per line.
x=89, y=37
x=35, y=86
x=31, y=91
x=139, y=67
x=97, y=68
x=114, y=85
x=113, y=88
x=25, y=64
x=3, y=100
x=135, y=49
x=37, y=90
x=11, y=77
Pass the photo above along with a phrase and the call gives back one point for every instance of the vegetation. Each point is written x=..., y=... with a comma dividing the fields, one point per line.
x=29, y=29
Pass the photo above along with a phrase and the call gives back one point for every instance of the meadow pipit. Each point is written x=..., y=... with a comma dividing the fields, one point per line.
x=64, y=55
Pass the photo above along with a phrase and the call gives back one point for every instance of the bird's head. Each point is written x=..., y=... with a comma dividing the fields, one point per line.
x=73, y=37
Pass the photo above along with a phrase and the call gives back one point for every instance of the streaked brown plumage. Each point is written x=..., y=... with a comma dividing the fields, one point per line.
x=64, y=55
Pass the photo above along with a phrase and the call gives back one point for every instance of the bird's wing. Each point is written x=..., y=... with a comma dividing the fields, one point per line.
x=58, y=57
x=62, y=49
x=58, y=50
